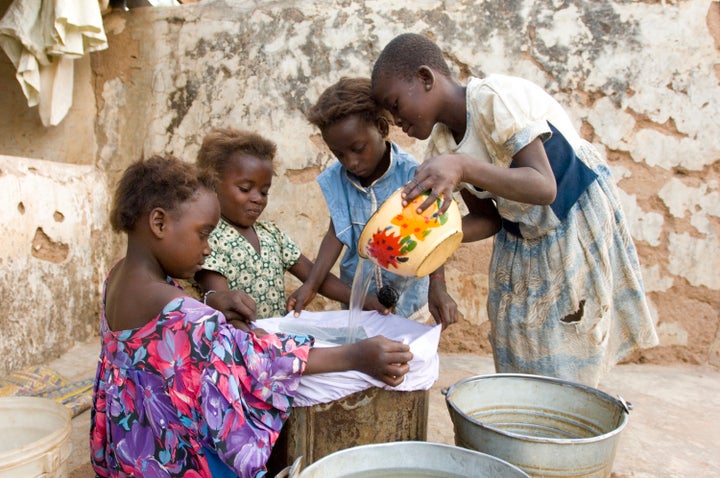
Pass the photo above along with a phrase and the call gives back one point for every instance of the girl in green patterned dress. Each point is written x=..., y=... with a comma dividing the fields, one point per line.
x=250, y=255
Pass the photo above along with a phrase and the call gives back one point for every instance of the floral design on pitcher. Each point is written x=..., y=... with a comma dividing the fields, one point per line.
x=392, y=244
x=412, y=223
x=386, y=248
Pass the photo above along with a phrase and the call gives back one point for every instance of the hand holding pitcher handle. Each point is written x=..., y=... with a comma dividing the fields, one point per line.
x=440, y=175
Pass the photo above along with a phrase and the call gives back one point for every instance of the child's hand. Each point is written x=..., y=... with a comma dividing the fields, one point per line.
x=299, y=299
x=442, y=306
x=372, y=303
x=259, y=332
x=248, y=328
x=440, y=175
x=384, y=359
x=236, y=305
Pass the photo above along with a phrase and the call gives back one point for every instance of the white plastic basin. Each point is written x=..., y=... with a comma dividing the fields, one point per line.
x=34, y=438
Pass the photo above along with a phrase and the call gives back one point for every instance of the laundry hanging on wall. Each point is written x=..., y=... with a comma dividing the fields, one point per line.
x=42, y=38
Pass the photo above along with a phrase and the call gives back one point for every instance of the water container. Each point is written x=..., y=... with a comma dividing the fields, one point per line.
x=34, y=438
x=409, y=459
x=546, y=426
x=406, y=243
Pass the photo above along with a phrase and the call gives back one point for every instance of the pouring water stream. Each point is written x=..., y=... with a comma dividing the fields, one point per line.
x=358, y=294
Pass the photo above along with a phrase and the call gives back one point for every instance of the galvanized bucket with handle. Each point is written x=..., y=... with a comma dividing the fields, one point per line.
x=546, y=426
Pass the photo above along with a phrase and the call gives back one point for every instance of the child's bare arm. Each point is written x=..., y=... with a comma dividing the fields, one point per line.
x=236, y=305
x=530, y=180
x=332, y=287
x=442, y=306
x=313, y=275
x=381, y=358
x=482, y=220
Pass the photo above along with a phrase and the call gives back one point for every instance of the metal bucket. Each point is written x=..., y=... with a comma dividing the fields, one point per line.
x=546, y=426
x=409, y=459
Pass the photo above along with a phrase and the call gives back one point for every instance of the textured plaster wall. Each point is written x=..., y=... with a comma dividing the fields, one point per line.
x=640, y=79
x=22, y=134
x=49, y=280
x=52, y=246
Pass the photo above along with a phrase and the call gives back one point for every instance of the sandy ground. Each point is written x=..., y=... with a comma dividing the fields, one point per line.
x=673, y=429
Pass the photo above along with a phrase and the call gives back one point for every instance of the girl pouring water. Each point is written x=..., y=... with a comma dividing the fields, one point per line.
x=566, y=297
x=369, y=169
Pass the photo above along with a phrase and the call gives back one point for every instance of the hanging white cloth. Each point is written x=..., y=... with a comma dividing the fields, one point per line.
x=329, y=329
x=42, y=38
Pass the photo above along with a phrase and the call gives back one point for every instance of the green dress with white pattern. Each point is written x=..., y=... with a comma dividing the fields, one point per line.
x=262, y=275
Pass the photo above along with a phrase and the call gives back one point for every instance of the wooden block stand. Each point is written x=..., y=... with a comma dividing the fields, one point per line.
x=374, y=415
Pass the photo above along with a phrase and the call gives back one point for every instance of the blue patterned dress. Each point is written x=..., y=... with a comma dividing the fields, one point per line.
x=549, y=262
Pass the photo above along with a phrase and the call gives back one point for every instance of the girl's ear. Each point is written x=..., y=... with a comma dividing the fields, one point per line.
x=426, y=76
x=157, y=220
x=383, y=125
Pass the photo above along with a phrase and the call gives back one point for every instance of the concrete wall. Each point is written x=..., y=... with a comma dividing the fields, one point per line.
x=639, y=78
x=55, y=244
x=50, y=257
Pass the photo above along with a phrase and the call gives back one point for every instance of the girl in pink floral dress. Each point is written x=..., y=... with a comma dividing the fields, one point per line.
x=178, y=391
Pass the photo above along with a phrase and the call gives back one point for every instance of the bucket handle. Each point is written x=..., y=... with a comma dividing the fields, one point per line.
x=51, y=463
x=627, y=406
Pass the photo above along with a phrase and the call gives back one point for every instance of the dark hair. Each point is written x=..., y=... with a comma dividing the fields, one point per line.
x=347, y=97
x=405, y=54
x=159, y=181
x=219, y=146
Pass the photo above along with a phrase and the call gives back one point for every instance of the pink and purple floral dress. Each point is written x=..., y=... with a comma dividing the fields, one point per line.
x=187, y=382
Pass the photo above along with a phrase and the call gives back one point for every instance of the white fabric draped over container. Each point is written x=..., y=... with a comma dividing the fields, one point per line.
x=329, y=329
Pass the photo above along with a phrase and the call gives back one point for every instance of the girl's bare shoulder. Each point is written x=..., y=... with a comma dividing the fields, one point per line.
x=133, y=301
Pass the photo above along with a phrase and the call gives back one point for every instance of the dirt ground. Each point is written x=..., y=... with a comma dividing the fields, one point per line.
x=464, y=337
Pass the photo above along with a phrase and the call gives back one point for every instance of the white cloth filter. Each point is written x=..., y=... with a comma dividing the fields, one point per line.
x=327, y=387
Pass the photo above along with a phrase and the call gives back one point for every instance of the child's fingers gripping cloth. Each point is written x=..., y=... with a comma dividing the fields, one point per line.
x=329, y=329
